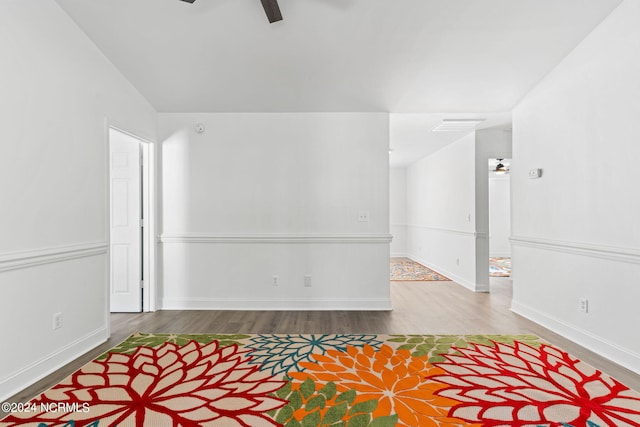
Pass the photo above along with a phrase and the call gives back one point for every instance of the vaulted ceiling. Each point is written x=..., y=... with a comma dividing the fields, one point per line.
x=434, y=57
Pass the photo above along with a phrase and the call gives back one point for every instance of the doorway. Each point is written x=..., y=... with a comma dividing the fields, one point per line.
x=131, y=246
x=499, y=217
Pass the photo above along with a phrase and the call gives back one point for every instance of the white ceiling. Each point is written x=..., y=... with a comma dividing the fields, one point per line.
x=442, y=58
x=411, y=137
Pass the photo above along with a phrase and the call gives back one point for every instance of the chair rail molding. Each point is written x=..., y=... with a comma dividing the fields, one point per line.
x=168, y=238
x=630, y=255
x=31, y=258
x=479, y=234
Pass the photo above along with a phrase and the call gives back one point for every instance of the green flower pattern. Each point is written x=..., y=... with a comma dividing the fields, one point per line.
x=434, y=346
x=322, y=401
x=139, y=339
x=312, y=405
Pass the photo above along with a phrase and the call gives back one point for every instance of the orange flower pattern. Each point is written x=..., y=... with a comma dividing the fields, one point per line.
x=394, y=378
x=388, y=381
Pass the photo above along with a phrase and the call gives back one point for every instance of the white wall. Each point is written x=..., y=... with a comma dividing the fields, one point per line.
x=57, y=91
x=259, y=195
x=491, y=143
x=499, y=215
x=441, y=211
x=576, y=230
x=448, y=207
x=398, y=211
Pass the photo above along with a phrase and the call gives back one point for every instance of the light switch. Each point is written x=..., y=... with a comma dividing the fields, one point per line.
x=535, y=173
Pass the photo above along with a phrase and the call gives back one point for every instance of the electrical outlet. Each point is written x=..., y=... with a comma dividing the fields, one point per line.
x=363, y=216
x=274, y=280
x=583, y=305
x=307, y=281
x=57, y=321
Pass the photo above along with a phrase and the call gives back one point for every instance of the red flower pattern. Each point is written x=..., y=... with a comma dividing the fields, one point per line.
x=519, y=385
x=192, y=385
x=208, y=384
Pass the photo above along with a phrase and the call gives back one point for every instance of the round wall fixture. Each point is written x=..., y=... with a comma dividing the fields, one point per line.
x=200, y=128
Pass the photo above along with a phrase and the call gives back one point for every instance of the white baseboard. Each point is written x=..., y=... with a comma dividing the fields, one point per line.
x=360, y=304
x=34, y=372
x=603, y=347
x=399, y=255
x=454, y=277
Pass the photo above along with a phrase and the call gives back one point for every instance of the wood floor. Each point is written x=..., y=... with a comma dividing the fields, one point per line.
x=419, y=308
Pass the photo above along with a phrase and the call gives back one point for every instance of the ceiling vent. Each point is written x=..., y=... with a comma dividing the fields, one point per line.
x=457, y=125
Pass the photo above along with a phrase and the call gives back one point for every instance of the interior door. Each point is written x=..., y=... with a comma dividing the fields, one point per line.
x=125, y=223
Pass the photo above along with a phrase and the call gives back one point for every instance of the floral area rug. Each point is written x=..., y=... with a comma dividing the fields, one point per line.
x=404, y=269
x=499, y=267
x=334, y=380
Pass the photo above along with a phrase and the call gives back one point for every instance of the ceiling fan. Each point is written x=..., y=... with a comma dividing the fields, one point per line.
x=501, y=168
x=271, y=8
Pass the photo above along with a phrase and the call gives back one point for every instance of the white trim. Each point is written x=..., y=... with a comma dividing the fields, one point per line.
x=50, y=363
x=136, y=134
x=398, y=255
x=614, y=352
x=149, y=231
x=500, y=255
x=107, y=224
x=447, y=230
x=284, y=304
x=451, y=275
x=32, y=258
x=274, y=238
x=631, y=255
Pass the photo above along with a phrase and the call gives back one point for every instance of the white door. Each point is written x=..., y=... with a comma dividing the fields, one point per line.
x=125, y=223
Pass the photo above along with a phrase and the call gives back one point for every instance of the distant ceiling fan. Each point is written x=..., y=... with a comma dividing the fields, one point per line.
x=271, y=8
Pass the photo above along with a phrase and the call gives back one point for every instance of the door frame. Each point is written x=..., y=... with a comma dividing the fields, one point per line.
x=149, y=213
x=483, y=282
x=505, y=177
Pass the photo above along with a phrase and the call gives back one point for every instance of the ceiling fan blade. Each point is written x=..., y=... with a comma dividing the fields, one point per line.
x=272, y=10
